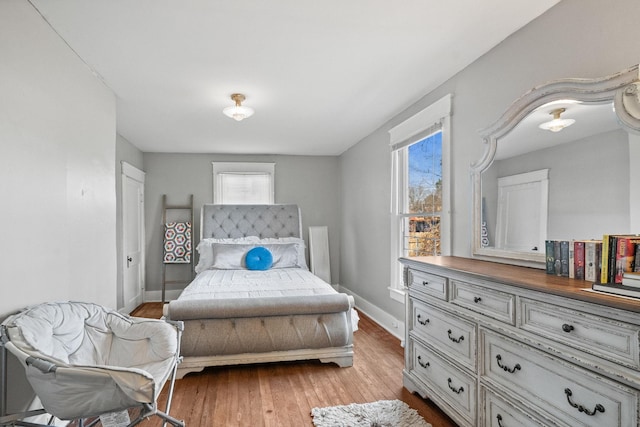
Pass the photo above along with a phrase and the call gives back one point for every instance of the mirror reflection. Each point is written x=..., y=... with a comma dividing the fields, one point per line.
x=588, y=179
x=557, y=167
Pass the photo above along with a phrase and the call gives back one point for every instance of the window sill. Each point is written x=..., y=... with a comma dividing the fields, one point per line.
x=397, y=294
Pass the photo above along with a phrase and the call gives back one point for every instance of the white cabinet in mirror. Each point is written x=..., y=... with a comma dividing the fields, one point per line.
x=578, y=133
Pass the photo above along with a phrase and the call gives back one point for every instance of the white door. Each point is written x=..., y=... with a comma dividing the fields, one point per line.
x=132, y=236
x=522, y=211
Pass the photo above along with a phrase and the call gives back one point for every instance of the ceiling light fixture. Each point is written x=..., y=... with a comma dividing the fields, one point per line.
x=557, y=124
x=238, y=112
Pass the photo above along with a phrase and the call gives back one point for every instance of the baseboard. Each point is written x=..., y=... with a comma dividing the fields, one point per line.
x=378, y=315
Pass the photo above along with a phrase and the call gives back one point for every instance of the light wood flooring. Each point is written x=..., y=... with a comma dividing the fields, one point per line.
x=283, y=394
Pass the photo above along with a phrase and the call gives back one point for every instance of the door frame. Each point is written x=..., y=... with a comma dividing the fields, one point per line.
x=131, y=172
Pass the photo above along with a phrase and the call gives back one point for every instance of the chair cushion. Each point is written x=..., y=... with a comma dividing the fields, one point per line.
x=106, y=361
x=89, y=334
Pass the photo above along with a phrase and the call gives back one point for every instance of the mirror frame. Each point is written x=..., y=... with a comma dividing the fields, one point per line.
x=622, y=88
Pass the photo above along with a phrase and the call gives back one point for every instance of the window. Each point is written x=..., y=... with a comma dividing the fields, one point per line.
x=243, y=183
x=422, y=206
x=420, y=188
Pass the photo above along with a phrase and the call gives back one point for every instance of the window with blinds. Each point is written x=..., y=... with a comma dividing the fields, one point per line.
x=243, y=183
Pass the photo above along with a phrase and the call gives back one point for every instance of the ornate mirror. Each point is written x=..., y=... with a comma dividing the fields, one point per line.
x=556, y=166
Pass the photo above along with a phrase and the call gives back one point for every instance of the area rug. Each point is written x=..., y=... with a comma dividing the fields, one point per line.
x=383, y=413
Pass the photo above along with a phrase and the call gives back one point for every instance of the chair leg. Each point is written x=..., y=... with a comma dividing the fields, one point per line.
x=149, y=410
x=170, y=391
x=169, y=419
x=90, y=423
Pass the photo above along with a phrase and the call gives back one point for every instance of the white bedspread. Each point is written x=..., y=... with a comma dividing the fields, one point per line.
x=247, y=284
x=215, y=284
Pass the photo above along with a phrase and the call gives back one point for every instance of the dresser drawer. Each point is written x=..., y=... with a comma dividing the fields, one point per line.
x=452, y=385
x=429, y=284
x=499, y=413
x=451, y=335
x=495, y=304
x=613, y=340
x=565, y=391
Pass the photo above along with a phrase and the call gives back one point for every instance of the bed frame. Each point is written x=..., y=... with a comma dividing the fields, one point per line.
x=207, y=331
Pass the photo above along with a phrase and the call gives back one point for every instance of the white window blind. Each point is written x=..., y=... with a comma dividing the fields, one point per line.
x=243, y=183
x=245, y=188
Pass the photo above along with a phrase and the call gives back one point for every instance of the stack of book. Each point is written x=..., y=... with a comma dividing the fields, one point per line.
x=575, y=259
x=619, y=252
x=630, y=285
x=611, y=264
x=620, y=265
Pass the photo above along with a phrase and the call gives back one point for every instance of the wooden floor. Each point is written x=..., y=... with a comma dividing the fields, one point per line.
x=283, y=394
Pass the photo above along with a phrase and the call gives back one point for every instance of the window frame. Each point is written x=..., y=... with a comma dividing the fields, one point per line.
x=242, y=168
x=436, y=117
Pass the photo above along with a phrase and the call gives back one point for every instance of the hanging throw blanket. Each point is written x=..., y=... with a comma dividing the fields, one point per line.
x=177, y=243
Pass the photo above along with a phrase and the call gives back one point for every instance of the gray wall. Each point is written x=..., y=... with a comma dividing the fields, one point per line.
x=57, y=133
x=582, y=205
x=312, y=182
x=576, y=38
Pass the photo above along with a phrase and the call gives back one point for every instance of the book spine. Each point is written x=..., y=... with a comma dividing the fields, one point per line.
x=631, y=261
x=589, y=259
x=624, y=257
x=592, y=261
x=557, y=258
x=598, y=260
x=604, y=269
x=613, y=249
x=579, y=259
x=550, y=257
x=564, y=258
x=572, y=259
x=636, y=259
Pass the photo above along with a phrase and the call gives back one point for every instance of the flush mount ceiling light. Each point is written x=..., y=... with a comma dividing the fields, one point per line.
x=557, y=124
x=238, y=112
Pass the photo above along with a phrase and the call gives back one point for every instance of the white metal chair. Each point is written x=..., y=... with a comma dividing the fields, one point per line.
x=83, y=360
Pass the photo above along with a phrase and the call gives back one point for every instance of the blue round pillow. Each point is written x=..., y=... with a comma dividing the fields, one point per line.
x=258, y=258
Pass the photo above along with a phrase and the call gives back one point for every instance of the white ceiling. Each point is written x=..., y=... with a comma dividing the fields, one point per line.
x=590, y=119
x=321, y=75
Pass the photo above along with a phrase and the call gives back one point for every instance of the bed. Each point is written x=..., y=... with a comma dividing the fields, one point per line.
x=236, y=315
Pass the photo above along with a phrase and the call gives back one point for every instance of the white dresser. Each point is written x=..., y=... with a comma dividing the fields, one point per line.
x=496, y=345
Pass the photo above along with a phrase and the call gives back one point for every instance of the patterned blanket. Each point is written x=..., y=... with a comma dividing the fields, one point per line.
x=177, y=243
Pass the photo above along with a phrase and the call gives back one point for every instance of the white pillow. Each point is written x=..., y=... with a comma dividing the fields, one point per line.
x=231, y=256
x=205, y=251
x=302, y=261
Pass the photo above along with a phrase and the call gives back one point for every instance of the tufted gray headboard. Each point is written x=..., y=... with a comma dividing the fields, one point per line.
x=233, y=221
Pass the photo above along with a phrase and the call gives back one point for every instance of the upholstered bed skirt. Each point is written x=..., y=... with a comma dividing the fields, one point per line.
x=215, y=329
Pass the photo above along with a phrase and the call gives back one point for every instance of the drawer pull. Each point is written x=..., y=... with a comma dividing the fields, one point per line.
x=455, y=390
x=425, y=282
x=505, y=367
x=424, y=365
x=598, y=407
x=477, y=299
x=455, y=340
x=567, y=328
x=499, y=418
x=422, y=322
